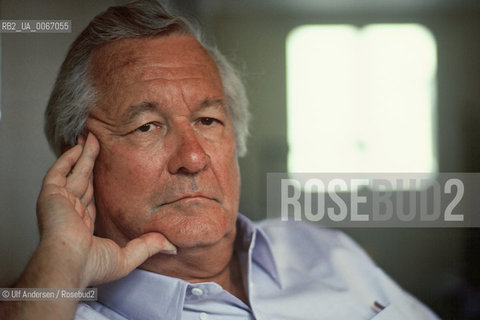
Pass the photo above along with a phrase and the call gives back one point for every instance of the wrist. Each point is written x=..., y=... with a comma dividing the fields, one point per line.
x=55, y=264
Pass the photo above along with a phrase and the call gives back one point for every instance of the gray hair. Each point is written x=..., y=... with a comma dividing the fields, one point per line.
x=73, y=95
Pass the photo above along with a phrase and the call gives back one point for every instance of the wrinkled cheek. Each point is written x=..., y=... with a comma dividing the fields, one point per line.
x=121, y=186
x=235, y=177
x=122, y=170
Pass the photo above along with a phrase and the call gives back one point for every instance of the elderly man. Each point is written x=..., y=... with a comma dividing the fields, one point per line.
x=143, y=201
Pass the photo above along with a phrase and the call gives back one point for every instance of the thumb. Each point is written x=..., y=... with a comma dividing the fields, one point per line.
x=113, y=262
x=140, y=249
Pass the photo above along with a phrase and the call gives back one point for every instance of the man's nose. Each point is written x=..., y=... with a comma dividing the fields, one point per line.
x=189, y=156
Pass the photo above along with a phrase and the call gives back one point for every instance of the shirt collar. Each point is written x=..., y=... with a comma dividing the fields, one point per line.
x=146, y=295
x=256, y=243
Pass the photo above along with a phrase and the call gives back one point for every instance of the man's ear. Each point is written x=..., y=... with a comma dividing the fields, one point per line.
x=65, y=147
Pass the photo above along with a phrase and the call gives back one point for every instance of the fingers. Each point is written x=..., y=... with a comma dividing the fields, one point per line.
x=76, y=162
x=89, y=204
x=58, y=172
x=87, y=196
x=79, y=181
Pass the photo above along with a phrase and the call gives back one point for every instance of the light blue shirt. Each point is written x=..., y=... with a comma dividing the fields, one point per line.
x=291, y=270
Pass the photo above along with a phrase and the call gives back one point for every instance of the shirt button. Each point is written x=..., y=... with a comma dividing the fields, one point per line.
x=198, y=292
x=203, y=316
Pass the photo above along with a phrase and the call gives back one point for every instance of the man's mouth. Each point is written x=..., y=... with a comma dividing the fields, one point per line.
x=188, y=197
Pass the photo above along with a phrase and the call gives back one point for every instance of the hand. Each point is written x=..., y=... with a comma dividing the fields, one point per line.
x=66, y=216
x=69, y=255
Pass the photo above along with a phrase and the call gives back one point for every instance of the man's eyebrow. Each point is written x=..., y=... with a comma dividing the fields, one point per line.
x=209, y=102
x=148, y=106
x=137, y=109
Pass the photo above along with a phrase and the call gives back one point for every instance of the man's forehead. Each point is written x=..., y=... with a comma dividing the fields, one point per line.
x=135, y=54
x=134, y=71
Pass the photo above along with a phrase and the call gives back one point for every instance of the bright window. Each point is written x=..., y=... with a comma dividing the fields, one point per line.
x=361, y=99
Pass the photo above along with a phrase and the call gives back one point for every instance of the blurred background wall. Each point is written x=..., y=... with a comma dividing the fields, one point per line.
x=440, y=266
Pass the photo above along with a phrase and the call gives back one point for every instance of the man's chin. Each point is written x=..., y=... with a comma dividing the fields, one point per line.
x=196, y=233
x=195, y=229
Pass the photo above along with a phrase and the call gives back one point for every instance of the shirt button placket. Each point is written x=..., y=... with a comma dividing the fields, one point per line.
x=203, y=316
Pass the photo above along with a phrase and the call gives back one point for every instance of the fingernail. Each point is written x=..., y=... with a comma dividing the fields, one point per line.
x=169, y=249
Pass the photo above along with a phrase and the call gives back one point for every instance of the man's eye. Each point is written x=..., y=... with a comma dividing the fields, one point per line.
x=208, y=121
x=147, y=127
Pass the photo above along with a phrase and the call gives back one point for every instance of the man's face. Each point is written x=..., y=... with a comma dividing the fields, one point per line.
x=167, y=161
